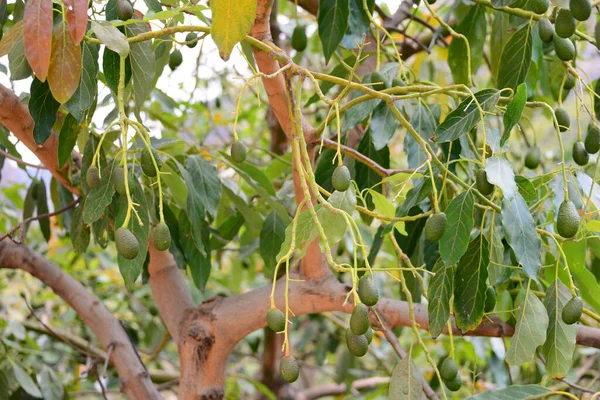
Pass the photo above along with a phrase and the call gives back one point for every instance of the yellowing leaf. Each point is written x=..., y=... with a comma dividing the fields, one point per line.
x=10, y=39
x=232, y=20
x=37, y=36
x=76, y=18
x=65, y=65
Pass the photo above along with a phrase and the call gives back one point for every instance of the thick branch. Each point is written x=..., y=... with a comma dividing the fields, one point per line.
x=135, y=380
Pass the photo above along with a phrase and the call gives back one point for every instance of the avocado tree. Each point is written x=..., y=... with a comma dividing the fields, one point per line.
x=202, y=231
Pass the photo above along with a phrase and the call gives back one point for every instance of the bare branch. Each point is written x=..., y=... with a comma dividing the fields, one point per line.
x=19, y=161
x=341, y=388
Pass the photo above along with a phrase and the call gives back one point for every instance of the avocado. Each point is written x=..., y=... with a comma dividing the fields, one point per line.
x=299, y=39
x=490, y=299
x=276, y=320
x=369, y=335
x=580, y=9
x=357, y=344
x=147, y=164
x=341, y=178
x=546, y=30
x=161, y=237
x=448, y=369
x=564, y=48
x=289, y=370
x=378, y=81
x=192, y=40
x=592, y=140
x=398, y=82
x=118, y=180
x=92, y=177
x=580, y=155
x=533, y=157
x=238, y=152
x=175, y=59
x=435, y=227
x=564, y=25
x=539, y=6
x=124, y=10
x=569, y=82
x=483, y=185
x=572, y=311
x=567, y=221
x=367, y=291
x=454, y=384
x=127, y=243
x=359, y=320
x=563, y=119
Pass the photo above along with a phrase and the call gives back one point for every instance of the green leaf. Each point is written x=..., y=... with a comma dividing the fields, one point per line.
x=333, y=24
x=500, y=173
x=383, y=126
x=365, y=177
x=325, y=168
x=253, y=219
x=470, y=284
x=441, y=287
x=101, y=197
x=272, y=236
x=498, y=37
x=43, y=108
x=42, y=208
x=455, y=241
x=560, y=342
x=515, y=59
x=4, y=389
x=206, y=183
x=232, y=21
x=25, y=380
x=464, y=118
x=306, y=231
x=29, y=203
x=405, y=383
x=414, y=196
x=87, y=90
x=526, y=188
x=474, y=28
x=424, y=122
x=67, y=139
x=142, y=64
x=131, y=269
x=585, y=280
x=111, y=37
x=198, y=263
x=80, y=232
x=17, y=63
x=50, y=384
x=530, y=331
x=520, y=233
x=515, y=392
x=358, y=112
x=111, y=66
x=334, y=224
x=513, y=111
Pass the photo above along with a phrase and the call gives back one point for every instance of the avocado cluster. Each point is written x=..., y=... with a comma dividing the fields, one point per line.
x=360, y=334
x=450, y=375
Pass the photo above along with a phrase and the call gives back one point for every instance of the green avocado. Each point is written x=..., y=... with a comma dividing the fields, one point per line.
x=238, y=152
x=276, y=320
x=567, y=221
x=490, y=299
x=572, y=311
x=367, y=292
x=580, y=9
x=369, y=335
x=539, y=6
x=533, y=157
x=564, y=24
x=569, y=82
x=92, y=177
x=454, y=384
x=448, y=369
x=341, y=178
x=127, y=243
x=147, y=164
x=161, y=237
x=192, y=40
x=359, y=320
x=124, y=10
x=357, y=344
x=299, y=39
x=563, y=119
x=118, y=180
x=592, y=140
x=398, y=82
x=580, y=155
x=483, y=185
x=435, y=227
x=175, y=59
x=564, y=48
x=289, y=370
x=546, y=30
x=378, y=81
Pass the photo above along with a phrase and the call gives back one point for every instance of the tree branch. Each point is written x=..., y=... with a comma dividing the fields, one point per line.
x=341, y=388
x=135, y=380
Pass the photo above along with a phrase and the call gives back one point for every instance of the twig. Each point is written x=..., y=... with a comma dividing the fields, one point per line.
x=19, y=161
x=332, y=389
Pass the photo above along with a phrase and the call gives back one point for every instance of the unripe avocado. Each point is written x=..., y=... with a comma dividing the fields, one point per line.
x=564, y=24
x=454, y=384
x=567, y=221
x=341, y=178
x=369, y=335
x=569, y=82
x=299, y=39
x=289, y=370
x=533, y=157
x=435, y=227
x=161, y=237
x=175, y=59
x=572, y=311
x=118, y=180
x=563, y=119
x=367, y=291
x=539, y=6
x=378, y=81
x=592, y=140
x=124, y=10
x=193, y=38
x=564, y=48
x=238, y=152
x=357, y=344
x=490, y=299
x=147, y=164
x=580, y=9
x=448, y=369
x=92, y=177
x=546, y=30
x=127, y=243
x=580, y=155
x=483, y=185
x=398, y=82
x=276, y=320
x=359, y=320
